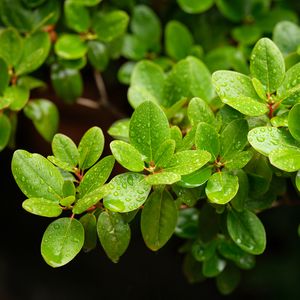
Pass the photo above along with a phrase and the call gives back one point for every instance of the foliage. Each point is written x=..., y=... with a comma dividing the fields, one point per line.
x=212, y=141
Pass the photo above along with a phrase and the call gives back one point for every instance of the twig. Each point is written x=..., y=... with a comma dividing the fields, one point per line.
x=88, y=103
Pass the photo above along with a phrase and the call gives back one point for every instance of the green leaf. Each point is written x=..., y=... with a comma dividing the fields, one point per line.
x=96, y=176
x=164, y=153
x=114, y=234
x=133, y=47
x=198, y=111
x=213, y=266
x=129, y=192
x=197, y=81
x=297, y=180
x=65, y=150
x=267, y=64
x=77, y=17
x=238, y=160
x=247, y=231
x=5, y=130
x=44, y=115
x=67, y=83
x=90, y=147
x=266, y=139
x=98, y=55
x=293, y=121
x=207, y=138
x=188, y=161
x=259, y=88
x=228, y=280
x=236, y=90
x=89, y=224
x=70, y=46
x=85, y=2
x=233, y=138
x=178, y=40
x=158, y=219
x=246, y=34
x=42, y=207
x=4, y=80
x=195, y=6
x=62, y=241
x=120, y=130
x=11, y=46
x=17, y=96
x=221, y=187
x=69, y=188
x=192, y=269
x=187, y=223
x=90, y=199
x=148, y=129
x=147, y=83
x=67, y=201
x=286, y=35
x=36, y=176
x=280, y=120
x=162, y=178
x=146, y=26
x=286, y=159
x=111, y=25
x=125, y=71
x=30, y=83
x=196, y=178
x=36, y=48
x=127, y=156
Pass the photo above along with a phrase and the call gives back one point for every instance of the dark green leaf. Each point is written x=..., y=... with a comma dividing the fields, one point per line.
x=133, y=47
x=98, y=55
x=187, y=223
x=62, y=241
x=238, y=160
x=4, y=80
x=198, y=111
x=196, y=178
x=238, y=202
x=213, y=266
x=228, y=280
x=5, y=130
x=89, y=224
x=77, y=16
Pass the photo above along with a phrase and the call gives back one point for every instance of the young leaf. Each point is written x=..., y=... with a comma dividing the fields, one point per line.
x=158, y=219
x=207, y=138
x=4, y=81
x=228, y=280
x=69, y=188
x=221, y=187
x=62, y=241
x=111, y=25
x=114, y=234
x=148, y=129
x=129, y=192
x=195, y=6
x=293, y=121
x=266, y=139
x=236, y=90
x=178, y=40
x=90, y=199
x=36, y=176
x=5, y=130
x=267, y=64
x=89, y=224
x=65, y=150
x=96, y=176
x=188, y=161
x=162, y=178
x=147, y=83
x=70, y=46
x=286, y=159
x=127, y=156
x=164, y=153
x=42, y=207
x=90, y=147
x=198, y=111
x=247, y=231
x=36, y=48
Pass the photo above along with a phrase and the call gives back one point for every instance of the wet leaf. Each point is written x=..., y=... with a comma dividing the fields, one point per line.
x=5, y=131
x=195, y=6
x=89, y=224
x=199, y=111
x=17, y=96
x=77, y=16
x=120, y=130
x=42, y=207
x=286, y=159
x=196, y=178
x=162, y=178
x=164, y=153
x=213, y=266
x=293, y=121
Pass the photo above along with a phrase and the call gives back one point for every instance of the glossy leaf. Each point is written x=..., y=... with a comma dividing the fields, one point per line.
x=36, y=48
x=90, y=147
x=44, y=115
x=96, y=176
x=98, y=55
x=164, y=153
x=147, y=83
x=42, y=207
x=114, y=234
x=120, y=130
x=178, y=40
x=133, y=47
x=286, y=159
x=213, y=266
x=297, y=180
x=199, y=111
x=5, y=130
x=127, y=156
x=267, y=64
x=4, y=80
x=36, y=176
x=17, y=96
x=128, y=192
x=247, y=231
x=62, y=241
x=221, y=187
x=162, y=178
x=196, y=178
x=187, y=223
x=293, y=121
x=89, y=224
x=85, y=2
x=195, y=6
x=148, y=129
x=158, y=219
x=111, y=25
x=77, y=16
x=188, y=161
x=238, y=160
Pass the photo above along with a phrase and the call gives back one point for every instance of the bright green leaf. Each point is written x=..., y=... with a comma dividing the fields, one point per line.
x=120, y=130
x=77, y=17
x=286, y=159
x=196, y=178
x=238, y=160
x=98, y=55
x=42, y=207
x=17, y=96
x=199, y=111
x=162, y=178
x=293, y=121
x=164, y=153
x=195, y=6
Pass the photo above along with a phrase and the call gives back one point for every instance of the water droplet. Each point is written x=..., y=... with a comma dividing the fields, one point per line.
x=260, y=139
